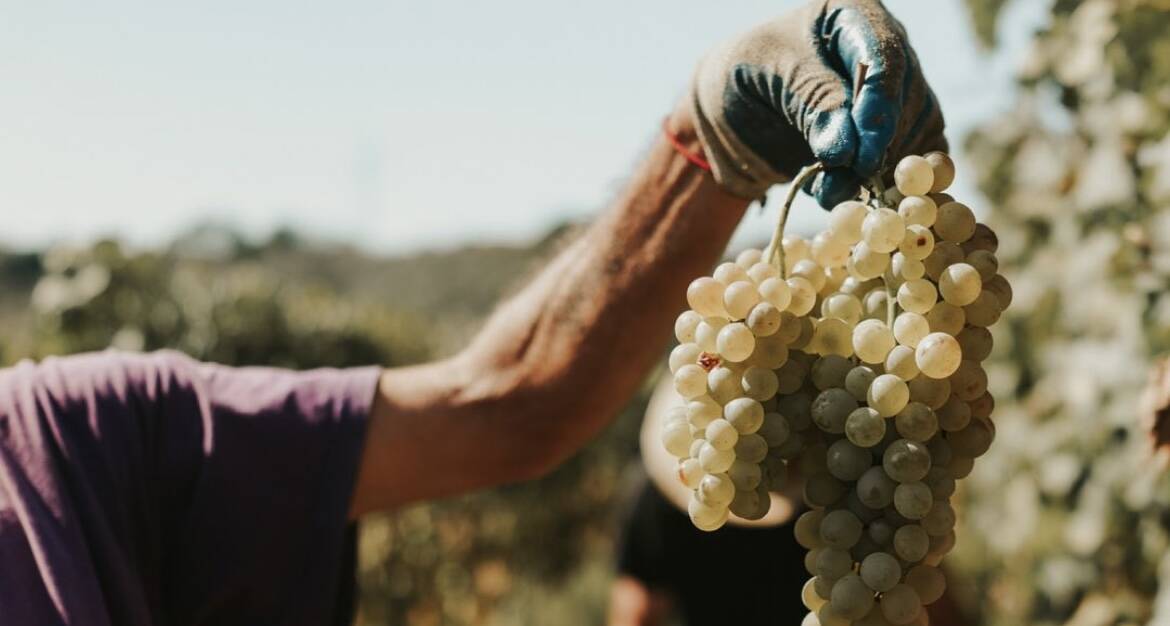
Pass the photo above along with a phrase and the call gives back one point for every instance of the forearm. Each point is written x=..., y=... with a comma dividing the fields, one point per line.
x=555, y=364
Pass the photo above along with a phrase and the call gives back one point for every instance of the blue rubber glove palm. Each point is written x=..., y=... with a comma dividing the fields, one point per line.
x=784, y=95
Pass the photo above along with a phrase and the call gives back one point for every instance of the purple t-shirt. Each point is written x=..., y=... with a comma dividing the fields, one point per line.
x=153, y=489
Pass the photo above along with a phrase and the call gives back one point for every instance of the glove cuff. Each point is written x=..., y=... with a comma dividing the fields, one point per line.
x=735, y=167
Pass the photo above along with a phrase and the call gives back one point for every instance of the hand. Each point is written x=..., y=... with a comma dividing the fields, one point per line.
x=784, y=95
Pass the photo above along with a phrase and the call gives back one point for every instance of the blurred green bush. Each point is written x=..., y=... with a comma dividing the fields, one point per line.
x=537, y=553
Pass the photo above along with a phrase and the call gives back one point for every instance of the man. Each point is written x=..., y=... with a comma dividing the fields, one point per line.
x=151, y=489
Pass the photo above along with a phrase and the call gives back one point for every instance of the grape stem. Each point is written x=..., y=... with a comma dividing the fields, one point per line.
x=775, y=251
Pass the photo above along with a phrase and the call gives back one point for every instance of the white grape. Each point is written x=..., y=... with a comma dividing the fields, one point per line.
x=842, y=306
x=866, y=263
x=876, y=304
x=905, y=268
x=683, y=354
x=690, y=473
x=872, y=340
x=910, y=328
x=976, y=343
x=969, y=380
x=917, y=296
x=775, y=291
x=822, y=490
x=735, y=342
x=764, y=319
x=900, y=362
x=829, y=251
x=790, y=377
x=918, y=242
x=745, y=414
x=809, y=596
x=746, y=476
x=946, y=318
x=982, y=406
x=888, y=395
x=880, y=572
x=883, y=230
x=771, y=352
x=944, y=172
x=944, y=255
x=954, y=415
x=690, y=381
x=875, y=489
x=685, y=324
x=851, y=598
x=933, y=392
x=1002, y=289
x=795, y=249
x=960, y=284
x=858, y=380
x=914, y=176
x=845, y=460
x=938, y=355
x=739, y=298
x=747, y=504
x=707, y=333
x=714, y=460
x=808, y=529
x=721, y=434
x=913, y=500
x=940, y=520
x=918, y=210
x=984, y=262
x=830, y=371
x=831, y=408
x=705, y=516
x=723, y=384
x=716, y=490
x=906, y=461
x=752, y=448
x=901, y=605
x=840, y=529
x=803, y=295
x=676, y=437
x=845, y=221
x=955, y=222
x=762, y=271
x=705, y=295
x=810, y=271
x=748, y=258
x=833, y=563
x=759, y=383
x=865, y=427
x=828, y=616
x=984, y=311
x=973, y=440
x=911, y=543
x=916, y=422
x=832, y=336
x=730, y=273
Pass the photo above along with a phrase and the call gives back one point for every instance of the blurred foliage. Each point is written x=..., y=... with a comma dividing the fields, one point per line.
x=536, y=553
x=1067, y=520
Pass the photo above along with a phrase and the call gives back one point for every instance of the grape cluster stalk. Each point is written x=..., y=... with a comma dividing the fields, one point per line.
x=854, y=360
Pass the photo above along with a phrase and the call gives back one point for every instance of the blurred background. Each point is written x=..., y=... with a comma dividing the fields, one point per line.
x=298, y=184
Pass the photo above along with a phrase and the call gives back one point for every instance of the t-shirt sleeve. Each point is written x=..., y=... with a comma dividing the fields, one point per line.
x=204, y=493
x=262, y=507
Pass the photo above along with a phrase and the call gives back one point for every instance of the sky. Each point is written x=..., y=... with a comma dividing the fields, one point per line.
x=393, y=125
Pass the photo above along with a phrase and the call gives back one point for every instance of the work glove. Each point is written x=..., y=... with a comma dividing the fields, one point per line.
x=787, y=94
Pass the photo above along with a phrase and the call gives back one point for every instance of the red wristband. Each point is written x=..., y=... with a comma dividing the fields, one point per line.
x=694, y=157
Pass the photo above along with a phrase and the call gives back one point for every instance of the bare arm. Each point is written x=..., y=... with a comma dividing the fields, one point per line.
x=554, y=364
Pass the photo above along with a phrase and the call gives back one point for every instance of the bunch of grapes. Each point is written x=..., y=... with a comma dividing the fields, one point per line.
x=854, y=359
